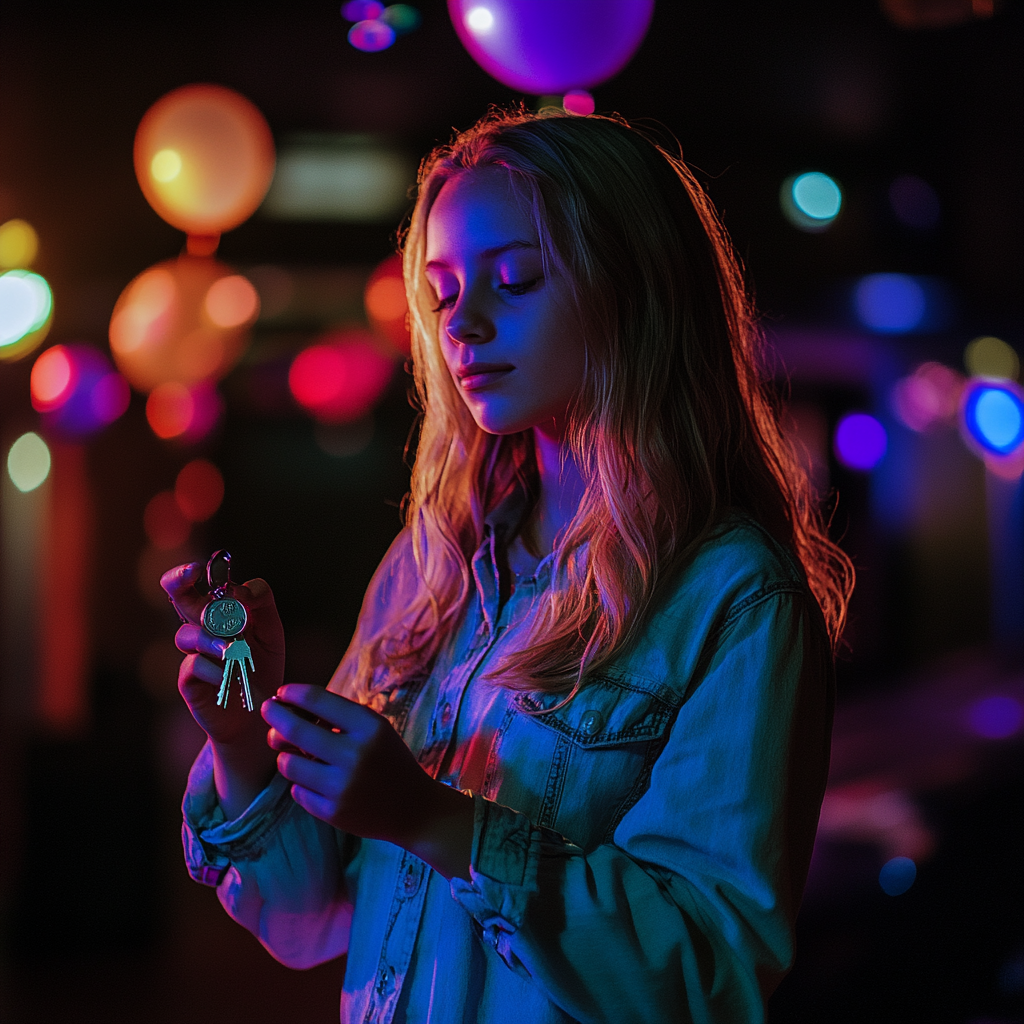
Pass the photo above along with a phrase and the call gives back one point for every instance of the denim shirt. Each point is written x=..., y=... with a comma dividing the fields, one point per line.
x=638, y=854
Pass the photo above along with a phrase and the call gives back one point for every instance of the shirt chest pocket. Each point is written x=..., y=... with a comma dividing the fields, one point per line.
x=603, y=743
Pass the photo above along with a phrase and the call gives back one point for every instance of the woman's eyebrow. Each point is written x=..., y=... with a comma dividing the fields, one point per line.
x=489, y=254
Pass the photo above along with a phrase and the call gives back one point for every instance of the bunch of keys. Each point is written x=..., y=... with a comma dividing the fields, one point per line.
x=226, y=618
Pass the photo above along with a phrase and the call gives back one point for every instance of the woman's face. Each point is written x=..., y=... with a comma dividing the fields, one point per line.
x=508, y=333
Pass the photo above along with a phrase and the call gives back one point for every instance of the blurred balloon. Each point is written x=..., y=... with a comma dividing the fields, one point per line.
x=386, y=305
x=26, y=310
x=551, y=47
x=183, y=320
x=77, y=390
x=199, y=490
x=339, y=378
x=19, y=244
x=204, y=157
x=183, y=413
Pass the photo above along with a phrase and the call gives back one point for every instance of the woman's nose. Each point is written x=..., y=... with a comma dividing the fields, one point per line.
x=469, y=323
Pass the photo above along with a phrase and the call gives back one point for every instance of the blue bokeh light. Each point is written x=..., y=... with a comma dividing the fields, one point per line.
x=994, y=416
x=890, y=303
x=860, y=441
x=897, y=876
x=997, y=717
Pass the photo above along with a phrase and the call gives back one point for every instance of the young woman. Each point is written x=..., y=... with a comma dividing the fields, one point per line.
x=571, y=765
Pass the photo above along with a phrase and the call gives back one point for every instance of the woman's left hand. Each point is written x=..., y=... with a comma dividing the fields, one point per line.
x=368, y=784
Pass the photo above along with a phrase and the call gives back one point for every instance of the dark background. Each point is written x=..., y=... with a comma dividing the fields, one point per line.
x=100, y=920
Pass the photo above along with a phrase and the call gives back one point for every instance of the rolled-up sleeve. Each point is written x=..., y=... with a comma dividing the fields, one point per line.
x=687, y=914
x=279, y=872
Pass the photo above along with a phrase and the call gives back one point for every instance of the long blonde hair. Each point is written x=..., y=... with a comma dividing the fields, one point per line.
x=673, y=427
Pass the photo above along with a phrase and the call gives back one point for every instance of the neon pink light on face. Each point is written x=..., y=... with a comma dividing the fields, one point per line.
x=508, y=332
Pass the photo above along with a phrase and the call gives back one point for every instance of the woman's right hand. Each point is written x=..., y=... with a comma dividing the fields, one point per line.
x=243, y=763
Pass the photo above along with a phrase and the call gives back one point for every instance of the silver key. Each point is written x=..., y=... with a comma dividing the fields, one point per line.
x=236, y=653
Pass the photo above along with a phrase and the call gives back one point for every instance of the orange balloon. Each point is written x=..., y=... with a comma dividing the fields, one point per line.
x=184, y=320
x=204, y=157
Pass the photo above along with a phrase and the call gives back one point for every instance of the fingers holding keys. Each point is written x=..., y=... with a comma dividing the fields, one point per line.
x=179, y=584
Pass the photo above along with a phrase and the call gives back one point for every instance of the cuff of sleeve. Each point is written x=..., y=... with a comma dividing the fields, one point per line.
x=503, y=869
x=210, y=841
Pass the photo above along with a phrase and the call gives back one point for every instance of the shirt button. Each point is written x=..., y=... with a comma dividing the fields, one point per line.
x=446, y=714
x=409, y=882
x=591, y=724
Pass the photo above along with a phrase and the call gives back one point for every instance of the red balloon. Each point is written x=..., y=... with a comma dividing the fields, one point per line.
x=340, y=378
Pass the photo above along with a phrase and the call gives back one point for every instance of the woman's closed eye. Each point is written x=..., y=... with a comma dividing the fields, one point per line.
x=446, y=303
x=521, y=287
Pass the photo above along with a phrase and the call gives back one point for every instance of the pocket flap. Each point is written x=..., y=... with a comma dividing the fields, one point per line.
x=606, y=712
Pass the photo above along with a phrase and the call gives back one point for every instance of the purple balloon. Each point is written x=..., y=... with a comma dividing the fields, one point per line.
x=550, y=46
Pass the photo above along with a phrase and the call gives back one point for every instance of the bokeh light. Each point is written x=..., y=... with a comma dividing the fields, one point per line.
x=993, y=416
x=19, y=244
x=860, y=441
x=479, y=20
x=169, y=409
x=401, y=17
x=28, y=462
x=811, y=201
x=914, y=202
x=232, y=301
x=199, y=490
x=549, y=48
x=164, y=523
x=51, y=382
x=77, y=390
x=928, y=397
x=890, y=303
x=340, y=378
x=991, y=357
x=26, y=309
x=897, y=876
x=578, y=101
x=183, y=320
x=386, y=305
x=371, y=36
x=997, y=717
x=362, y=10
x=204, y=157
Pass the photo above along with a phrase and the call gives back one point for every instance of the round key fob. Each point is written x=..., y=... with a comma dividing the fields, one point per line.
x=226, y=617
x=223, y=616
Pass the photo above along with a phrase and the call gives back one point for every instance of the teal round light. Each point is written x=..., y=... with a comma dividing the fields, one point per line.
x=811, y=200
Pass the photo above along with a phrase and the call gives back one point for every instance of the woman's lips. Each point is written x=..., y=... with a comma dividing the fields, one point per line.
x=476, y=379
